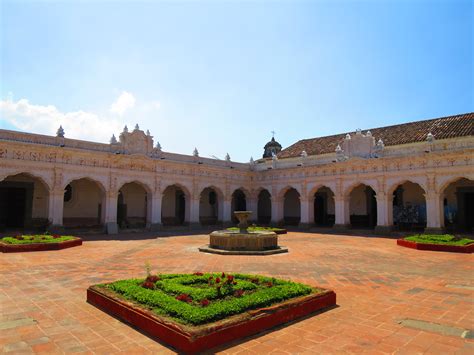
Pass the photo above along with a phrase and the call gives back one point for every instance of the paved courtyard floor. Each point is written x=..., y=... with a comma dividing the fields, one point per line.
x=378, y=284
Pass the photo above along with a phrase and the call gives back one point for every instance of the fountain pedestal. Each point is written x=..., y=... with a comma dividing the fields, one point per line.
x=243, y=242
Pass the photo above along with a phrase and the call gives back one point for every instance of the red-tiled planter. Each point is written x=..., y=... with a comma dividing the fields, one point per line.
x=193, y=339
x=18, y=248
x=437, y=247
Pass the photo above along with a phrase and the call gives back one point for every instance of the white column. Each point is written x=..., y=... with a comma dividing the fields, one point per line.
x=305, y=217
x=156, y=200
x=227, y=207
x=341, y=206
x=384, y=212
x=110, y=220
x=56, y=208
x=277, y=210
x=194, y=211
x=434, y=212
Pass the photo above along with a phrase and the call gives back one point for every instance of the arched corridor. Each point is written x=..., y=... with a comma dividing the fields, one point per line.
x=83, y=203
x=458, y=205
x=291, y=207
x=174, y=208
x=133, y=206
x=362, y=207
x=264, y=207
x=409, y=207
x=209, y=207
x=24, y=202
x=324, y=214
x=239, y=203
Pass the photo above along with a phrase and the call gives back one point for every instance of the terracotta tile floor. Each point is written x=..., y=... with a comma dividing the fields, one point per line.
x=377, y=283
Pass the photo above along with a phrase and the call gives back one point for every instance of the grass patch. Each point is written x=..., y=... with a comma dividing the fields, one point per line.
x=203, y=298
x=442, y=239
x=35, y=239
x=258, y=229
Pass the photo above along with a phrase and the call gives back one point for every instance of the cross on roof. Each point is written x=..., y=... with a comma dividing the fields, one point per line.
x=273, y=134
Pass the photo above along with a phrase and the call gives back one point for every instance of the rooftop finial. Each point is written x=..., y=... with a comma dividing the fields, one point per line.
x=195, y=152
x=113, y=140
x=273, y=134
x=148, y=132
x=158, y=146
x=227, y=157
x=136, y=127
x=60, y=132
x=125, y=129
x=430, y=137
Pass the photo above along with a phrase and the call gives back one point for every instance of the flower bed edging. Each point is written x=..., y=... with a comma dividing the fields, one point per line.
x=436, y=247
x=18, y=248
x=192, y=339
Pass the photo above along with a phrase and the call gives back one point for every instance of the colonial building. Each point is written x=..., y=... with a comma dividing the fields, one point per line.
x=409, y=176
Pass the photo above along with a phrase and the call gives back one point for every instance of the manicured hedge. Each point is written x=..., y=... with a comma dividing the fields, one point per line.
x=205, y=299
x=445, y=239
x=35, y=239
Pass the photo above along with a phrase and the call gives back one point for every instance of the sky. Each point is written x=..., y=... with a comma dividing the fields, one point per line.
x=222, y=75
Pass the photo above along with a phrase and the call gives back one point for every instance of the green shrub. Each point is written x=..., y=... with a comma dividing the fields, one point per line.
x=257, y=291
x=35, y=239
x=445, y=239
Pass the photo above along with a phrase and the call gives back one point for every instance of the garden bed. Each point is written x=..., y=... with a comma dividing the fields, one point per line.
x=448, y=243
x=24, y=243
x=197, y=312
x=261, y=229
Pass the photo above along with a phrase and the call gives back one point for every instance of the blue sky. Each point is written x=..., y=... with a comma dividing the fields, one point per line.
x=220, y=76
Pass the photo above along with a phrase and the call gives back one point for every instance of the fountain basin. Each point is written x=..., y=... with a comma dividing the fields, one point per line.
x=236, y=243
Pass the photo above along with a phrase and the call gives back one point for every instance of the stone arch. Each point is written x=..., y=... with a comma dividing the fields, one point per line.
x=291, y=207
x=264, y=206
x=348, y=189
x=420, y=181
x=445, y=181
x=322, y=205
x=175, y=205
x=93, y=179
x=408, y=205
x=84, y=202
x=211, y=205
x=457, y=204
x=284, y=190
x=238, y=202
x=24, y=201
x=362, y=206
x=134, y=204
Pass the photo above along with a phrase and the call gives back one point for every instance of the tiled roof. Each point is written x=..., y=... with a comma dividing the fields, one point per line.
x=442, y=128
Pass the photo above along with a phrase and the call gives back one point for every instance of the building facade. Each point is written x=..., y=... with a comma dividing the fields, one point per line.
x=415, y=176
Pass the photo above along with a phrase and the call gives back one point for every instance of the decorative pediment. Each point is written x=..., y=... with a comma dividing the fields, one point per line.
x=359, y=145
x=135, y=142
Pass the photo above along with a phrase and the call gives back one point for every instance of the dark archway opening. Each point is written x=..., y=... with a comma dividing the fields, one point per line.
x=264, y=208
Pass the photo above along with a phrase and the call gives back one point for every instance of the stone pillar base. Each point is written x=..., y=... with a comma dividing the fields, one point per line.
x=304, y=225
x=341, y=226
x=434, y=230
x=194, y=225
x=154, y=227
x=383, y=229
x=56, y=229
x=111, y=228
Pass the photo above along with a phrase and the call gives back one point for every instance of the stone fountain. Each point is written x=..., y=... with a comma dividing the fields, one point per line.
x=243, y=241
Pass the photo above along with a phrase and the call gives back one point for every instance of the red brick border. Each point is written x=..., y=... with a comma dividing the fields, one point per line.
x=19, y=248
x=193, y=339
x=436, y=247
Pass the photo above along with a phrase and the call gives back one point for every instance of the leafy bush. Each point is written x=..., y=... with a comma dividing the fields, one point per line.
x=34, y=239
x=199, y=299
x=445, y=239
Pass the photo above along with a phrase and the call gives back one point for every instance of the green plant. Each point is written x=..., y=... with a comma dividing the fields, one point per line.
x=200, y=299
x=35, y=239
x=445, y=239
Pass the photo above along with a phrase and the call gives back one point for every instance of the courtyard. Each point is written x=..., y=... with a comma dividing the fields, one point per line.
x=387, y=295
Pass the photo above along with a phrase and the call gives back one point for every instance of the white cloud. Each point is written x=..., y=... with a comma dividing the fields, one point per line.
x=124, y=102
x=46, y=120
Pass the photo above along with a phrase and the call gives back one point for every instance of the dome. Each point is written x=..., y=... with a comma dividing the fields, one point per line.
x=271, y=148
